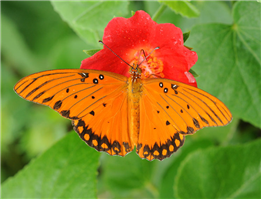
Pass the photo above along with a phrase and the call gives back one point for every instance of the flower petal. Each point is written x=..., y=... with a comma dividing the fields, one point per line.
x=126, y=37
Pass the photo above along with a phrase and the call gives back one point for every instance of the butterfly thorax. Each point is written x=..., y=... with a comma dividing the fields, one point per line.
x=134, y=95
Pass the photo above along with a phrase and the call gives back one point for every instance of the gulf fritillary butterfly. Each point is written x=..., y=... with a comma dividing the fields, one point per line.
x=113, y=113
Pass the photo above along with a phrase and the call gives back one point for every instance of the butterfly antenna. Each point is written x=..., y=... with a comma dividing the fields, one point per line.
x=114, y=53
x=148, y=55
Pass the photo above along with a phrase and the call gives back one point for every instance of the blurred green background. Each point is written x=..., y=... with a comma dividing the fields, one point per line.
x=38, y=36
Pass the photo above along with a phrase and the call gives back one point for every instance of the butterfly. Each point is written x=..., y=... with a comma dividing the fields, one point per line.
x=114, y=113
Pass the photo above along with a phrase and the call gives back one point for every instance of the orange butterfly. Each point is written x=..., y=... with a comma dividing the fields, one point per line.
x=113, y=113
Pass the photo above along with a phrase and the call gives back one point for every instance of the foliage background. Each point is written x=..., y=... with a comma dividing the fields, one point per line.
x=40, y=159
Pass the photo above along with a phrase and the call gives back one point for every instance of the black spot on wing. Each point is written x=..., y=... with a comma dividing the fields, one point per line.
x=66, y=113
x=190, y=130
x=146, y=151
x=164, y=150
x=84, y=76
x=57, y=105
x=48, y=99
x=116, y=147
x=101, y=77
x=92, y=113
x=95, y=81
x=196, y=123
x=126, y=146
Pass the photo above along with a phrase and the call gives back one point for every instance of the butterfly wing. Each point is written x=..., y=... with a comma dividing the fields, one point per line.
x=95, y=101
x=169, y=111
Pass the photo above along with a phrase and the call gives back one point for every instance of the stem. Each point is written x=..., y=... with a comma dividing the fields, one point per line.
x=158, y=13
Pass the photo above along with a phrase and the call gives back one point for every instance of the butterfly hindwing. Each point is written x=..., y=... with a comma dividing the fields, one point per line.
x=169, y=111
x=95, y=101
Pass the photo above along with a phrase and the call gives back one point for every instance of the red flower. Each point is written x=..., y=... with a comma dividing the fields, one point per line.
x=127, y=37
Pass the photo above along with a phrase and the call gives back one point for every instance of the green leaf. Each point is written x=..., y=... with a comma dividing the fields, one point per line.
x=193, y=73
x=129, y=176
x=191, y=145
x=89, y=18
x=184, y=8
x=186, y=36
x=221, y=14
x=91, y=52
x=66, y=170
x=223, y=172
x=67, y=53
x=229, y=61
x=14, y=49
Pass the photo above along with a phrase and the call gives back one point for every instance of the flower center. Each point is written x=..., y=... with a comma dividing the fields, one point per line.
x=150, y=67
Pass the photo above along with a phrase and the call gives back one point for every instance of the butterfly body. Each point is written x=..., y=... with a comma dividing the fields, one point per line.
x=113, y=113
x=134, y=95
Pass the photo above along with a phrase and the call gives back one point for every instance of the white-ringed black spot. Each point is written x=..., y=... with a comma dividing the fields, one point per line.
x=95, y=81
x=92, y=113
x=67, y=90
x=161, y=84
x=165, y=90
x=167, y=123
x=101, y=77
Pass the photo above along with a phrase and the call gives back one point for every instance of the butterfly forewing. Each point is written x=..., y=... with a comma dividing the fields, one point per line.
x=170, y=110
x=94, y=100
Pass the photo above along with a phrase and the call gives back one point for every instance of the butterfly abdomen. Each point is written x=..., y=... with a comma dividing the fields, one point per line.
x=134, y=94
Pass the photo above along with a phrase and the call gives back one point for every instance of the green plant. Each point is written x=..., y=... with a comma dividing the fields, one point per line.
x=218, y=162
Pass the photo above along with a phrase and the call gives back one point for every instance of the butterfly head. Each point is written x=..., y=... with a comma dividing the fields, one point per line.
x=135, y=71
x=146, y=66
